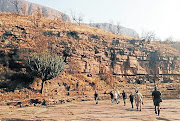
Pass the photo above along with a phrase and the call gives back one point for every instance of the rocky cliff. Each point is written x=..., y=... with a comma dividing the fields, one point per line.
x=95, y=59
x=24, y=7
x=115, y=29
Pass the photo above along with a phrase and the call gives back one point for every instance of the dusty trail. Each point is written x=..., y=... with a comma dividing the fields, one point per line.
x=89, y=111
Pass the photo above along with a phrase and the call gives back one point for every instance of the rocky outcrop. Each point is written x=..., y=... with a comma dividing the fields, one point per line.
x=115, y=29
x=95, y=59
x=24, y=7
x=87, y=53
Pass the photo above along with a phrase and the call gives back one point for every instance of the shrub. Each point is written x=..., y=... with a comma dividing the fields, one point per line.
x=45, y=66
x=66, y=53
x=73, y=34
x=132, y=42
x=94, y=36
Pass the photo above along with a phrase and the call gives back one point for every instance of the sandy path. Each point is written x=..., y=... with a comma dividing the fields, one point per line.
x=89, y=111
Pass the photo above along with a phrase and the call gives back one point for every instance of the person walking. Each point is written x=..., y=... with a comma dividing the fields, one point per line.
x=112, y=96
x=96, y=97
x=131, y=98
x=138, y=99
x=156, y=95
x=116, y=96
x=124, y=97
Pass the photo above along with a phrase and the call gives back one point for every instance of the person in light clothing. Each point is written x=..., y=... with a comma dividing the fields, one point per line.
x=116, y=96
x=138, y=99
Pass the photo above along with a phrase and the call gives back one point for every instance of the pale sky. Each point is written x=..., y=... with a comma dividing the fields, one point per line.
x=160, y=16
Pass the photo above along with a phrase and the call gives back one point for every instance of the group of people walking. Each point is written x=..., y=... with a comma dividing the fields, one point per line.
x=136, y=97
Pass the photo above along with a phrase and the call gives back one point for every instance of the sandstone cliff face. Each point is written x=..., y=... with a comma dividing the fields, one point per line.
x=87, y=50
x=24, y=7
x=95, y=59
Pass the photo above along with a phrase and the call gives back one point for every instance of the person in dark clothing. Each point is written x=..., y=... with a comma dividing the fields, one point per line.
x=156, y=95
x=96, y=96
x=131, y=98
x=124, y=97
x=44, y=102
x=112, y=96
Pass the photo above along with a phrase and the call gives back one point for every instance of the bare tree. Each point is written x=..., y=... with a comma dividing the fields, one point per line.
x=17, y=5
x=56, y=21
x=111, y=28
x=61, y=19
x=37, y=15
x=169, y=39
x=119, y=28
x=77, y=19
x=150, y=36
x=24, y=9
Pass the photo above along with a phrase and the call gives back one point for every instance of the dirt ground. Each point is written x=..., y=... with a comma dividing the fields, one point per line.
x=89, y=111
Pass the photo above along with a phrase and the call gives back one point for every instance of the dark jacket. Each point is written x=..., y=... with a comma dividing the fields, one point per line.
x=124, y=95
x=156, y=95
x=131, y=98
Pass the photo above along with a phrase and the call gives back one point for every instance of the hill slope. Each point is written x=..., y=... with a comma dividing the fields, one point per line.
x=24, y=7
x=95, y=59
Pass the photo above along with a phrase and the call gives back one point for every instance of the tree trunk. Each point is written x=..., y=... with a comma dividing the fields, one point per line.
x=43, y=77
x=42, y=85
